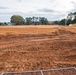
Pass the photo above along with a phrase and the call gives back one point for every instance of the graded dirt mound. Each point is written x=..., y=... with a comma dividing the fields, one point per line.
x=46, y=50
x=74, y=25
x=62, y=32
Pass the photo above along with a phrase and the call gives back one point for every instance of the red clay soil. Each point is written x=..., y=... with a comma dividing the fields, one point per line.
x=24, y=48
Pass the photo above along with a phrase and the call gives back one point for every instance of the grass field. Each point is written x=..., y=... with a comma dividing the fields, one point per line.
x=37, y=47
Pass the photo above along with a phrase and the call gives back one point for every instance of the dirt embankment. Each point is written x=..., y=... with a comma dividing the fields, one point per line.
x=37, y=48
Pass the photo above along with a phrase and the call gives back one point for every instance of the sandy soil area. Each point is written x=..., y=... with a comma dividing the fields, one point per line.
x=37, y=47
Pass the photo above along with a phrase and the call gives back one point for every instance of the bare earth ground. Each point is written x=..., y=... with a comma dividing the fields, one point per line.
x=37, y=47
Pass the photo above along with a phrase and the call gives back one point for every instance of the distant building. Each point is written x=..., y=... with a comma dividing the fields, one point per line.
x=10, y=24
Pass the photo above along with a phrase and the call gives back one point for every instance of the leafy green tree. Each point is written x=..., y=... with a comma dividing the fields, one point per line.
x=34, y=20
x=3, y=24
x=69, y=21
x=0, y=23
x=17, y=20
x=56, y=22
x=28, y=21
x=74, y=13
x=74, y=21
x=62, y=22
x=43, y=20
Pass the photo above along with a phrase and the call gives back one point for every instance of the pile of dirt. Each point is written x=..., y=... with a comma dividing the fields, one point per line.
x=74, y=25
x=62, y=32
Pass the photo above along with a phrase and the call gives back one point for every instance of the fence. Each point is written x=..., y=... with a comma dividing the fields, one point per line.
x=59, y=71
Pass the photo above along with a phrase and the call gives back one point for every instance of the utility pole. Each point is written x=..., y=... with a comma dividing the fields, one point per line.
x=65, y=22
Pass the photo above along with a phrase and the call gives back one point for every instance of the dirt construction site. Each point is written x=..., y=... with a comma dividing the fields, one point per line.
x=24, y=48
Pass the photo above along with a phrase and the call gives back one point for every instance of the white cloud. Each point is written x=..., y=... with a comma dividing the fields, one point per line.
x=32, y=7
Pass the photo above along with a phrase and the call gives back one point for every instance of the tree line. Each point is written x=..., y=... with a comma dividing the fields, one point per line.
x=70, y=19
x=19, y=20
x=3, y=23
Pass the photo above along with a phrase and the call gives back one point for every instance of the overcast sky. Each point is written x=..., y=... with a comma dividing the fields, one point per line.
x=51, y=9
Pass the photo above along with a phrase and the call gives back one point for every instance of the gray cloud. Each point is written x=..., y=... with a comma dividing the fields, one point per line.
x=6, y=16
x=46, y=10
x=74, y=7
x=19, y=0
x=74, y=4
x=50, y=16
x=3, y=7
x=11, y=13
